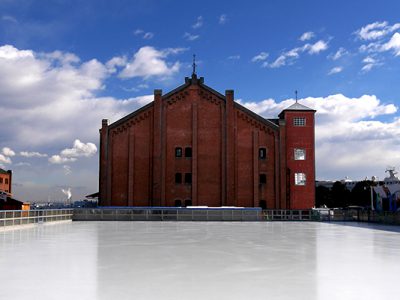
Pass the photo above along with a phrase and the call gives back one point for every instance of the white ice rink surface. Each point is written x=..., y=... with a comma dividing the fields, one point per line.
x=194, y=260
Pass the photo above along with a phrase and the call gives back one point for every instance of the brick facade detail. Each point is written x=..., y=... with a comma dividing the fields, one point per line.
x=229, y=156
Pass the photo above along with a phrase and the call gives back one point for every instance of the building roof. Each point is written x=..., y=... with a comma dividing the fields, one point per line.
x=3, y=171
x=298, y=106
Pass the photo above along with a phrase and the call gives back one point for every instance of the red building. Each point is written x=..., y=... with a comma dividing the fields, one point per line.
x=5, y=181
x=195, y=146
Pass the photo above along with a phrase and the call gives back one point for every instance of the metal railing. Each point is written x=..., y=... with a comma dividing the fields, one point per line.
x=359, y=215
x=190, y=214
x=25, y=217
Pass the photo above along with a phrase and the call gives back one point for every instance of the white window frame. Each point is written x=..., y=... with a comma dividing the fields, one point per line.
x=299, y=121
x=299, y=154
x=300, y=179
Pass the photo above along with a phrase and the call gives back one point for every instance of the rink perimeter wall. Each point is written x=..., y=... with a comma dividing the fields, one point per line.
x=189, y=214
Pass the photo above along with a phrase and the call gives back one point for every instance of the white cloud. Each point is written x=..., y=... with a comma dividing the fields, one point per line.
x=32, y=154
x=223, y=19
x=190, y=37
x=199, y=23
x=338, y=54
x=393, y=44
x=148, y=62
x=22, y=164
x=376, y=30
x=307, y=36
x=9, y=19
x=288, y=57
x=57, y=159
x=318, y=47
x=5, y=159
x=369, y=63
x=8, y=152
x=357, y=137
x=80, y=149
x=138, y=32
x=335, y=70
x=260, y=57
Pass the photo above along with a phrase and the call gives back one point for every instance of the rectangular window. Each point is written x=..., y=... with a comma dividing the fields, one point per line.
x=299, y=154
x=263, y=178
x=178, y=178
x=178, y=152
x=299, y=121
x=1, y=180
x=299, y=179
x=188, y=178
x=262, y=153
x=188, y=152
x=6, y=181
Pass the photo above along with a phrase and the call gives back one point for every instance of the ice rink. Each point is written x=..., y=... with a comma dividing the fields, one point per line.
x=196, y=260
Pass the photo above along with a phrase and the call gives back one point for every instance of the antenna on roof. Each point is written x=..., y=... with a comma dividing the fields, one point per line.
x=194, y=64
x=296, y=95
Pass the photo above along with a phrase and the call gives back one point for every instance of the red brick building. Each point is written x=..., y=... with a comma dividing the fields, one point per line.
x=5, y=181
x=195, y=146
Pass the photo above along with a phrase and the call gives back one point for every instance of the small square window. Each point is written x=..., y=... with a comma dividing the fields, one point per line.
x=262, y=153
x=299, y=154
x=299, y=179
x=188, y=152
x=188, y=178
x=299, y=121
x=178, y=178
x=263, y=178
x=178, y=152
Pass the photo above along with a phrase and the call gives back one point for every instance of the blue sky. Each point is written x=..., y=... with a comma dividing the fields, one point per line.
x=65, y=65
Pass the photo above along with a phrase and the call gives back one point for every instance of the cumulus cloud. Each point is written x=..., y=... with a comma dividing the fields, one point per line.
x=307, y=36
x=78, y=149
x=32, y=154
x=335, y=70
x=8, y=152
x=198, y=23
x=222, y=19
x=357, y=136
x=5, y=159
x=190, y=37
x=148, y=62
x=260, y=57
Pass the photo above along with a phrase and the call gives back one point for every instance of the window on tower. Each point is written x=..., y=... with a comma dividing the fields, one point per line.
x=299, y=154
x=299, y=179
x=263, y=178
x=299, y=121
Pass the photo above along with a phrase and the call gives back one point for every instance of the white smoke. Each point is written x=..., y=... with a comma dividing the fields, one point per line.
x=67, y=193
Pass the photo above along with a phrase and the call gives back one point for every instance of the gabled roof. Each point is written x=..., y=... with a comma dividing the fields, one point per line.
x=298, y=106
x=194, y=80
x=259, y=118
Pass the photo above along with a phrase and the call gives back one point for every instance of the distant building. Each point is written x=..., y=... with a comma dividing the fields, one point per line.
x=6, y=182
x=195, y=146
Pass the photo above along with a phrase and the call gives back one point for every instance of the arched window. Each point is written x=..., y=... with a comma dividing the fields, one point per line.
x=188, y=202
x=262, y=153
x=263, y=204
x=188, y=178
x=178, y=203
